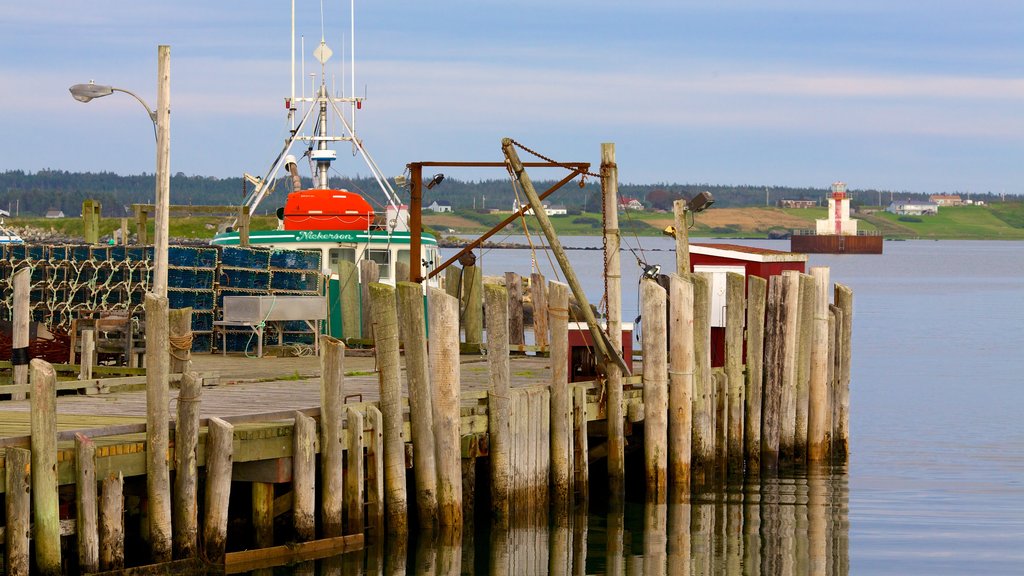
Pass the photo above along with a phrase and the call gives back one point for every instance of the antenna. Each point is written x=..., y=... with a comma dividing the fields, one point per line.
x=352, y=55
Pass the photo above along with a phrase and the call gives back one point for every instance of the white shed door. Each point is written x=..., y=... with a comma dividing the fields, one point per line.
x=718, y=289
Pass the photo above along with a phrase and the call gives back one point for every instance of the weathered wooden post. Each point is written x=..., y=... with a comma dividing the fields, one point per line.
x=655, y=381
x=179, y=323
x=402, y=271
x=91, y=221
x=680, y=389
x=304, y=477
x=818, y=424
x=413, y=320
x=112, y=523
x=805, y=335
x=219, y=455
x=757, y=292
x=561, y=401
x=473, y=305
x=385, y=319
x=354, y=478
x=735, y=311
x=162, y=220
x=613, y=284
x=453, y=281
x=703, y=457
x=774, y=343
x=85, y=505
x=581, y=449
x=369, y=272
x=499, y=431
x=841, y=441
x=158, y=489
x=18, y=496
x=348, y=296
x=46, y=514
x=185, y=520
x=375, y=494
x=19, y=337
x=332, y=384
x=790, y=331
x=682, y=236
x=124, y=232
x=516, y=329
x=88, y=353
x=445, y=376
x=539, y=298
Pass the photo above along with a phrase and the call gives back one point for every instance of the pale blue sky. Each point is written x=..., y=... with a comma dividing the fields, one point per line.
x=915, y=95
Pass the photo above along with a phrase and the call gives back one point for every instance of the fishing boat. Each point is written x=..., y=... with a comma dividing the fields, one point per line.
x=8, y=236
x=342, y=224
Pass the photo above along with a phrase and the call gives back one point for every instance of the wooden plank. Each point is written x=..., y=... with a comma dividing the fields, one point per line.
x=263, y=514
x=249, y=560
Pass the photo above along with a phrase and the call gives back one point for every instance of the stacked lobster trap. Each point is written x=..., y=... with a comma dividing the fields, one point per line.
x=69, y=282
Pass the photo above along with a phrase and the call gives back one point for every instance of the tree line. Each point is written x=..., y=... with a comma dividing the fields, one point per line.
x=33, y=194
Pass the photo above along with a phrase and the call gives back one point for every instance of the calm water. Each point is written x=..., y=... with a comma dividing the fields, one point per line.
x=935, y=482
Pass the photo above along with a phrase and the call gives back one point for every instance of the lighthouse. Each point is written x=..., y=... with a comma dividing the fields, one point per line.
x=838, y=222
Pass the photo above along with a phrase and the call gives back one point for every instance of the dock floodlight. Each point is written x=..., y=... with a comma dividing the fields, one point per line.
x=700, y=202
x=437, y=179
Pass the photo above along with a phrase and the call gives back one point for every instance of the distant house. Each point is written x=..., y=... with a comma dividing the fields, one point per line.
x=53, y=213
x=909, y=208
x=787, y=203
x=631, y=203
x=946, y=199
x=440, y=206
x=555, y=210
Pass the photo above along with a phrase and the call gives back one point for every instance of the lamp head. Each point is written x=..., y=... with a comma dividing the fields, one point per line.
x=700, y=202
x=86, y=92
x=437, y=179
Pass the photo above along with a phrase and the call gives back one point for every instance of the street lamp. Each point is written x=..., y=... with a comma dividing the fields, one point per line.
x=86, y=92
x=161, y=120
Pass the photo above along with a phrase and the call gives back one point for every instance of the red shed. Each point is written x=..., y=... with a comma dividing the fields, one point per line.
x=719, y=259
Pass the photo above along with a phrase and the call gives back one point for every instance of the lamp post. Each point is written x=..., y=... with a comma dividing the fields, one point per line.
x=161, y=120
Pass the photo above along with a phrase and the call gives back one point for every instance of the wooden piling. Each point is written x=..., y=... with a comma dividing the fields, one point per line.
x=613, y=286
x=219, y=455
x=185, y=519
x=86, y=510
x=757, y=289
x=516, y=329
x=348, y=295
x=472, y=307
x=445, y=376
x=375, y=493
x=843, y=297
x=411, y=316
x=680, y=389
x=369, y=272
x=735, y=311
x=818, y=425
x=499, y=431
x=402, y=272
x=332, y=383
x=655, y=382
x=385, y=319
x=581, y=450
x=91, y=210
x=158, y=488
x=773, y=355
x=354, y=478
x=45, y=507
x=263, y=514
x=18, y=497
x=703, y=455
x=88, y=355
x=304, y=477
x=805, y=335
x=453, y=281
x=179, y=324
x=539, y=299
x=790, y=334
x=112, y=523
x=20, y=321
x=561, y=401
x=835, y=328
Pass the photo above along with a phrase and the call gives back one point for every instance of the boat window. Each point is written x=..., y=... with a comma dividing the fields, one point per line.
x=341, y=254
x=383, y=260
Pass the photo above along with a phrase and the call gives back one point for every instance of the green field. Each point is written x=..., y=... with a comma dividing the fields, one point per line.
x=1002, y=221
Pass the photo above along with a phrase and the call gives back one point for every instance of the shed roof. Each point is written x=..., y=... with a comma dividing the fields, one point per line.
x=748, y=253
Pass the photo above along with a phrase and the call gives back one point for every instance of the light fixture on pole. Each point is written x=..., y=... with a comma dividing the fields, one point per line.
x=86, y=92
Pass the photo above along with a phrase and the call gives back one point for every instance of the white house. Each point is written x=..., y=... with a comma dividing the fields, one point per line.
x=550, y=210
x=911, y=208
x=440, y=206
x=631, y=203
x=54, y=213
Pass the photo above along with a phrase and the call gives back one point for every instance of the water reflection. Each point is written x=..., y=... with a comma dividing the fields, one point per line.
x=792, y=526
